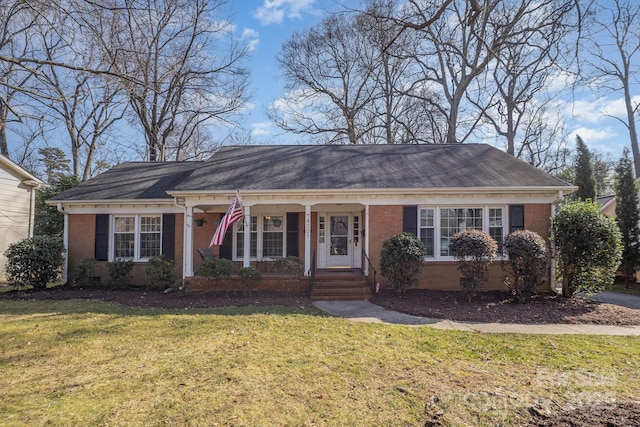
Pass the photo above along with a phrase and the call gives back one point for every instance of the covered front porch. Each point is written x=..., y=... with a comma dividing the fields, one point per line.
x=324, y=236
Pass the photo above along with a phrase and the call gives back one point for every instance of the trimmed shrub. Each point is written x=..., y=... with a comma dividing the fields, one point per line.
x=159, y=272
x=528, y=263
x=249, y=276
x=119, y=273
x=588, y=246
x=291, y=265
x=401, y=259
x=34, y=261
x=475, y=251
x=83, y=272
x=216, y=268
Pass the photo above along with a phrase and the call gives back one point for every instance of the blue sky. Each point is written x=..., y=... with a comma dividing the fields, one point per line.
x=268, y=23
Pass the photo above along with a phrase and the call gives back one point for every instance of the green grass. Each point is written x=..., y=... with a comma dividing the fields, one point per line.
x=67, y=363
x=634, y=289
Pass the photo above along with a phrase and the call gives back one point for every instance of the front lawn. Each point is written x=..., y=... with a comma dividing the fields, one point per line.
x=80, y=362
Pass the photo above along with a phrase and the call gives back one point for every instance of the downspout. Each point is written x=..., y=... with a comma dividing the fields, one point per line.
x=65, y=242
x=552, y=280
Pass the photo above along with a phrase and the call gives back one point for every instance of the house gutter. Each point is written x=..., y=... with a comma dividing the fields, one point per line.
x=65, y=243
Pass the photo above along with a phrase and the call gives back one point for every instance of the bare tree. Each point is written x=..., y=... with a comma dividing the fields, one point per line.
x=521, y=72
x=328, y=84
x=15, y=21
x=400, y=108
x=88, y=104
x=178, y=62
x=614, y=43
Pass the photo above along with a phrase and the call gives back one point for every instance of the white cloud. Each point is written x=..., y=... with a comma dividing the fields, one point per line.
x=252, y=37
x=594, y=136
x=261, y=129
x=274, y=11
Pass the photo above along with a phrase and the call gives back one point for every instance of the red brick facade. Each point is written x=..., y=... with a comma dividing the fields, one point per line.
x=384, y=221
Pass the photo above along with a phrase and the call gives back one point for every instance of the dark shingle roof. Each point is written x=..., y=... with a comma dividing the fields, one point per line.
x=318, y=167
x=131, y=181
x=363, y=167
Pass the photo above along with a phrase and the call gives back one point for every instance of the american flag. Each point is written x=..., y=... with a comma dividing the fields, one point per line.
x=234, y=213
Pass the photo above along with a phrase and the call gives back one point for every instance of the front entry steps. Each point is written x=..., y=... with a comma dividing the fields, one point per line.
x=332, y=285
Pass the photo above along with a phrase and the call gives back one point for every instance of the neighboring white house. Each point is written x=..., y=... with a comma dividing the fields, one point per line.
x=17, y=205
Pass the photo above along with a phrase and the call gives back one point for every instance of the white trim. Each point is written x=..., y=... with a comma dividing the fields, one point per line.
x=137, y=236
x=187, y=247
x=437, y=226
x=307, y=240
x=29, y=179
x=366, y=238
x=246, y=256
x=123, y=210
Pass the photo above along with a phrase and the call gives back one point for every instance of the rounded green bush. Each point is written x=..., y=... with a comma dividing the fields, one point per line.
x=588, y=247
x=528, y=263
x=34, y=261
x=475, y=251
x=401, y=257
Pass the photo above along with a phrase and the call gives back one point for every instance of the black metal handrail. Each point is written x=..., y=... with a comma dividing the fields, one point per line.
x=375, y=273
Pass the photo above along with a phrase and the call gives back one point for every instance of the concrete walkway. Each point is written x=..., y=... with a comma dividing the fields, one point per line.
x=630, y=301
x=365, y=311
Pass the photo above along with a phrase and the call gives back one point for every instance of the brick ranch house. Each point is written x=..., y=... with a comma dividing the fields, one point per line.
x=331, y=206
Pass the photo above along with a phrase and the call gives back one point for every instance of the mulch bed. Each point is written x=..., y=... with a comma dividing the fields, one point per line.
x=498, y=307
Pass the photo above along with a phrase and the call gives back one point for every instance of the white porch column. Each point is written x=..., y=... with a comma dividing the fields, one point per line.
x=246, y=256
x=65, y=241
x=307, y=240
x=366, y=239
x=187, y=267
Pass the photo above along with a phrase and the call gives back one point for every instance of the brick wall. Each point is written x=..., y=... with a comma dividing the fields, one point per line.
x=82, y=229
x=386, y=221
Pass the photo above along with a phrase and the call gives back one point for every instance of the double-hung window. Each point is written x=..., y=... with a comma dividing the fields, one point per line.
x=136, y=237
x=437, y=225
x=267, y=238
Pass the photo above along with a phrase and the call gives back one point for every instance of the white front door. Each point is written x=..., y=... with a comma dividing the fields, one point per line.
x=340, y=243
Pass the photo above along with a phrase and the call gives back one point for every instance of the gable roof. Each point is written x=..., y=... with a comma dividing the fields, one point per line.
x=12, y=167
x=327, y=167
x=318, y=167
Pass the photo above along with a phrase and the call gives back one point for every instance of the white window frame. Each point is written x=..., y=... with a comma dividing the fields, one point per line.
x=137, y=234
x=260, y=238
x=437, y=231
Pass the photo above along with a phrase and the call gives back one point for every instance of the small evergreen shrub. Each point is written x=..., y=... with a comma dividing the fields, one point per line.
x=249, y=276
x=83, y=272
x=401, y=259
x=475, y=251
x=528, y=263
x=291, y=265
x=159, y=273
x=34, y=261
x=119, y=273
x=216, y=268
x=588, y=246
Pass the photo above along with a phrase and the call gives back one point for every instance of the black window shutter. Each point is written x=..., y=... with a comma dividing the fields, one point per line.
x=102, y=238
x=292, y=234
x=516, y=218
x=410, y=220
x=168, y=236
x=226, y=249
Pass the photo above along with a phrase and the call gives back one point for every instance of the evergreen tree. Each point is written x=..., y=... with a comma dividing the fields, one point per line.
x=627, y=216
x=585, y=175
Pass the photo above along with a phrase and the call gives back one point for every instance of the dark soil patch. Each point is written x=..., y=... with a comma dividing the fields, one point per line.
x=618, y=415
x=499, y=308
x=158, y=299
